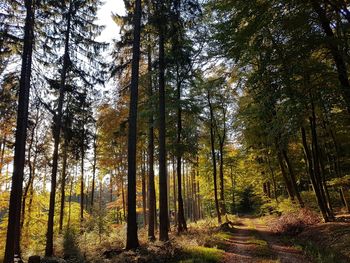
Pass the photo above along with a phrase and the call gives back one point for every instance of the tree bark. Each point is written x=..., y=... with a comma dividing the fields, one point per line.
x=309, y=162
x=181, y=226
x=131, y=236
x=150, y=149
x=284, y=174
x=93, y=174
x=213, y=156
x=56, y=135
x=293, y=179
x=63, y=184
x=163, y=196
x=143, y=183
x=14, y=215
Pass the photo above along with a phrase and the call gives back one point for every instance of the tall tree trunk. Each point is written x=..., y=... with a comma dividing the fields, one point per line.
x=70, y=203
x=284, y=175
x=174, y=193
x=144, y=198
x=213, y=156
x=150, y=149
x=221, y=175
x=63, y=184
x=316, y=160
x=345, y=199
x=131, y=236
x=14, y=215
x=31, y=170
x=273, y=177
x=82, y=150
x=93, y=174
x=123, y=198
x=181, y=226
x=309, y=163
x=56, y=136
x=293, y=179
x=163, y=196
x=233, y=185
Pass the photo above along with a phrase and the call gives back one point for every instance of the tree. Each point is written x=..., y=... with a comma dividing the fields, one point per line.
x=132, y=240
x=13, y=228
x=163, y=195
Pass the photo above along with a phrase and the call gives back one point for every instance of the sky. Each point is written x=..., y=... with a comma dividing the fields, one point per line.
x=105, y=18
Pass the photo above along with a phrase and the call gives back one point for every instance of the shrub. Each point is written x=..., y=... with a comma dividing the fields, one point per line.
x=292, y=223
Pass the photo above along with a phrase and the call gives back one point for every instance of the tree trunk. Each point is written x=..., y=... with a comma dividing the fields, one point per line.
x=221, y=175
x=151, y=185
x=174, y=193
x=316, y=160
x=31, y=171
x=309, y=162
x=144, y=199
x=293, y=179
x=212, y=144
x=93, y=174
x=181, y=226
x=56, y=136
x=70, y=203
x=273, y=178
x=345, y=199
x=163, y=196
x=14, y=215
x=63, y=184
x=131, y=237
x=284, y=174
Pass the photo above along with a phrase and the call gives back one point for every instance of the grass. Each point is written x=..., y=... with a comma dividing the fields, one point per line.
x=319, y=254
x=202, y=255
x=262, y=247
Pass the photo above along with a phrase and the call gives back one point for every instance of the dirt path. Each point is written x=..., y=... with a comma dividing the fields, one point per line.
x=253, y=242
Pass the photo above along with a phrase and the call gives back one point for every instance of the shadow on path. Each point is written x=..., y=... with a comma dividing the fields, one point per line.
x=253, y=242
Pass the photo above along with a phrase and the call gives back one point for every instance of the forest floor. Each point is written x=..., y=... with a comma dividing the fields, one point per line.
x=253, y=241
x=245, y=239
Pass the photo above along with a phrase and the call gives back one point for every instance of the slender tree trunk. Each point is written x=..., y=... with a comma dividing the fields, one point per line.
x=324, y=183
x=82, y=177
x=63, y=184
x=123, y=197
x=293, y=179
x=144, y=198
x=70, y=204
x=93, y=174
x=284, y=174
x=2, y=148
x=31, y=172
x=309, y=163
x=181, y=226
x=273, y=177
x=174, y=193
x=212, y=144
x=345, y=199
x=233, y=185
x=150, y=149
x=163, y=196
x=316, y=160
x=56, y=135
x=221, y=175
